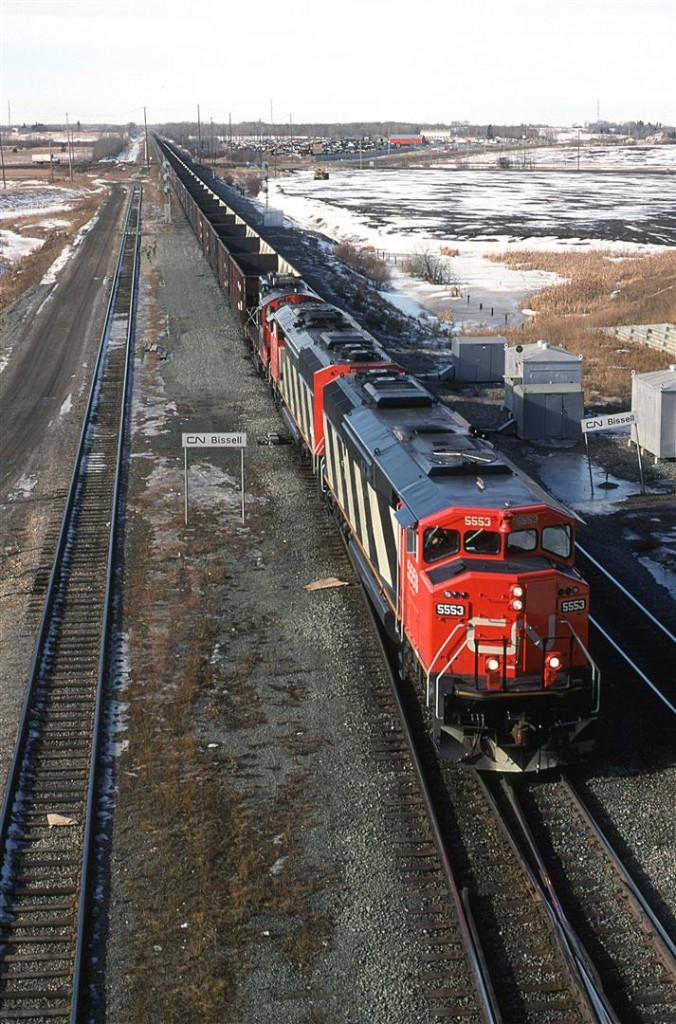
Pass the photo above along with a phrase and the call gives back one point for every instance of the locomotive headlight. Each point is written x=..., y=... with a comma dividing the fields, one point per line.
x=517, y=594
x=552, y=665
x=492, y=664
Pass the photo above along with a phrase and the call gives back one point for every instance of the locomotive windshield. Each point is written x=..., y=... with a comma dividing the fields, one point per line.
x=482, y=542
x=557, y=540
x=522, y=540
x=554, y=540
x=439, y=543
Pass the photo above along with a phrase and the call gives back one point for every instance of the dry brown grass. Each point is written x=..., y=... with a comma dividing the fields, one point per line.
x=600, y=291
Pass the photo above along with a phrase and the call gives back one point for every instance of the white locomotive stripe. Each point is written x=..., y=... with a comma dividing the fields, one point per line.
x=338, y=472
x=328, y=453
x=299, y=411
x=363, y=522
x=301, y=403
x=347, y=469
x=308, y=416
x=295, y=404
x=283, y=376
x=396, y=533
x=381, y=550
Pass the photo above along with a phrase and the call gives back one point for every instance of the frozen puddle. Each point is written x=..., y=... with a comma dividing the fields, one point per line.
x=567, y=476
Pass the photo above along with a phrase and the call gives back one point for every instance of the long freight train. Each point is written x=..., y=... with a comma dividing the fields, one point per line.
x=468, y=563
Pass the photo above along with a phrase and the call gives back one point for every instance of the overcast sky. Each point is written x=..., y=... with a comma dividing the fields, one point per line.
x=486, y=61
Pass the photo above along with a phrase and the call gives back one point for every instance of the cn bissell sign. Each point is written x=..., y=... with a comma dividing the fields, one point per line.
x=619, y=419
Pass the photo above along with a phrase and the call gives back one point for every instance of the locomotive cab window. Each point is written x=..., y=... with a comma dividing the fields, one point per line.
x=482, y=542
x=521, y=540
x=439, y=543
x=557, y=540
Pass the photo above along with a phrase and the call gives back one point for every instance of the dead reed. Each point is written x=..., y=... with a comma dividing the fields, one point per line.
x=599, y=290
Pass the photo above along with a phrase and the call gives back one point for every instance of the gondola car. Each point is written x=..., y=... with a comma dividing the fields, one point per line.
x=469, y=564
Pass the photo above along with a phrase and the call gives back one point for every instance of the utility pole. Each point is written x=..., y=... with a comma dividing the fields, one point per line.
x=291, y=130
x=145, y=125
x=2, y=162
x=199, y=134
x=70, y=149
x=213, y=151
x=230, y=132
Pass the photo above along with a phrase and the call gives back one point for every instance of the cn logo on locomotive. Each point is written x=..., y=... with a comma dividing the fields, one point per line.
x=450, y=609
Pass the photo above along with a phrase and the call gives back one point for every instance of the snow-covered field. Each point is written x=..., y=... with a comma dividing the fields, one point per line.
x=619, y=157
x=32, y=199
x=31, y=196
x=480, y=213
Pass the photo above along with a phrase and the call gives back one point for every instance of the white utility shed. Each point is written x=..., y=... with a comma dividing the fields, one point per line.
x=653, y=401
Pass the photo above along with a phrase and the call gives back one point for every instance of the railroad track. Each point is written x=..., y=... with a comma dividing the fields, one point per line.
x=518, y=942
x=454, y=981
x=492, y=952
x=499, y=925
x=624, y=951
x=644, y=643
x=49, y=811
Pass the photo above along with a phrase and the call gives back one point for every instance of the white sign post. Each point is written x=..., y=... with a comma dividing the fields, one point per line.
x=211, y=439
x=592, y=424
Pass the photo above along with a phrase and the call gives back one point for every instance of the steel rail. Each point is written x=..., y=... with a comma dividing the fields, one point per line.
x=573, y=948
x=475, y=956
x=642, y=905
x=642, y=608
x=632, y=664
x=84, y=908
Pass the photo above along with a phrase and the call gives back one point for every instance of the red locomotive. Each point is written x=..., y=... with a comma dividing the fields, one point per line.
x=468, y=563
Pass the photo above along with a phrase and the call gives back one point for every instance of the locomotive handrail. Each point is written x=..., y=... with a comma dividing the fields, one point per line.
x=595, y=671
x=458, y=626
x=445, y=669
